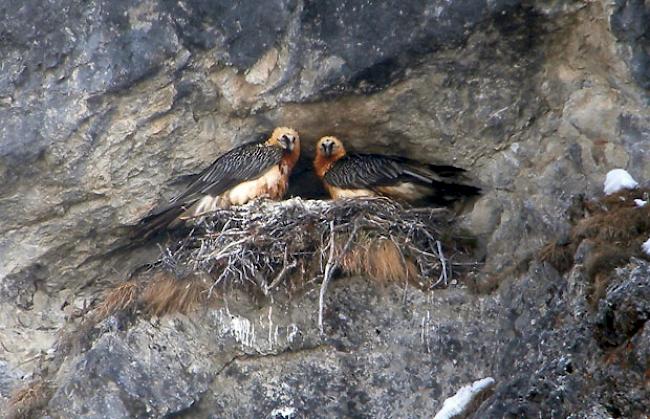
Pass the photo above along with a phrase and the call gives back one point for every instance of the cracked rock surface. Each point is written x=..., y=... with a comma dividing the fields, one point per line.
x=386, y=349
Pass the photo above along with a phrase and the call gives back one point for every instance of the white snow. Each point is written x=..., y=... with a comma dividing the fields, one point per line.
x=617, y=180
x=283, y=412
x=640, y=203
x=646, y=247
x=458, y=403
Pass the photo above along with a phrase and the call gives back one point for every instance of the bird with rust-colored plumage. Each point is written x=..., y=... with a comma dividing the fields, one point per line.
x=346, y=175
x=250, y=171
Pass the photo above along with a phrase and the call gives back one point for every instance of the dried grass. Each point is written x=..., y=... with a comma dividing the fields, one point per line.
x=155, y=294
x=621, y=199
x=165, y=295
x=559, y=255
x=487, y=282
x=380, y=259
x=121, y=298
x=26, y=400
x=605, y=257
x=615, y=226
x=620, y=224
x=598, y=288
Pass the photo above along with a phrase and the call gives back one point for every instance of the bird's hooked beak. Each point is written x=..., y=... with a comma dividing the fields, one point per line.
x=328, y=147
x=287, y=141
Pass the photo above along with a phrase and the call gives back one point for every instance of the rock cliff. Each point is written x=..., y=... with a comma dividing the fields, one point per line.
x=106, y=107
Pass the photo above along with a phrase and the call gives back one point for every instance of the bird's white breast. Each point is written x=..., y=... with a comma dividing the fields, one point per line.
x=406, y=191
x=349, y=193
x=270, y=185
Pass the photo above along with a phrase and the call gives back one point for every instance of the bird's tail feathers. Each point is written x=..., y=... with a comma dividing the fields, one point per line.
x=449, y=192
x=156, y=222
x=437, y=173
x=446, y=171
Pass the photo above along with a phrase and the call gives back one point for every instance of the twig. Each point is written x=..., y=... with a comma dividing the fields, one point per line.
x=327, y=276
x=330, y=267
x=263, y=242
x=443, y=270
x=285, y=269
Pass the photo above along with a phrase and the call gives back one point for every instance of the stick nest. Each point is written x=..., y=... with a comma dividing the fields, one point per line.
x=270, y=244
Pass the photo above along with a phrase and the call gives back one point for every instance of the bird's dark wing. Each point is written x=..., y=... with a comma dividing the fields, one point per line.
x=427, y=172
x=241, y=164
x=360, y=171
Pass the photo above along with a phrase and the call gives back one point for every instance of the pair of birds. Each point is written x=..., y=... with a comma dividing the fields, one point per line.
x=261, y=170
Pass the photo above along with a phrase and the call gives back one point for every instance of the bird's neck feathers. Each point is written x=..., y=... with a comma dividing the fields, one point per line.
x=272, y=141
x=323, y=163
x=291, y=158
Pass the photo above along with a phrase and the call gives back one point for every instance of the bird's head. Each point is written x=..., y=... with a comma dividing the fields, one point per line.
x=330, y=147
x=286, y=138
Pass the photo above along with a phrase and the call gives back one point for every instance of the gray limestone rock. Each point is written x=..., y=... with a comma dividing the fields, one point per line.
x=108, y=107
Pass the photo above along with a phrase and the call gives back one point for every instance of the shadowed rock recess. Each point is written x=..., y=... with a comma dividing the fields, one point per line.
x=107, y=107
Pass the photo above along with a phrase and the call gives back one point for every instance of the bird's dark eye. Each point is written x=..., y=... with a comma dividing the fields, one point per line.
x=285, y=138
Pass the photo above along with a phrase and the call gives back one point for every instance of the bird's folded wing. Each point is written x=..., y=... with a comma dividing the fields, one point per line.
x=238, y=165
x=357, y=171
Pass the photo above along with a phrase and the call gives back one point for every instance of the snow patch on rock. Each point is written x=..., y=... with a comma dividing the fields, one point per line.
x=460, y=402
x=646, y=247
x=617, y=180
